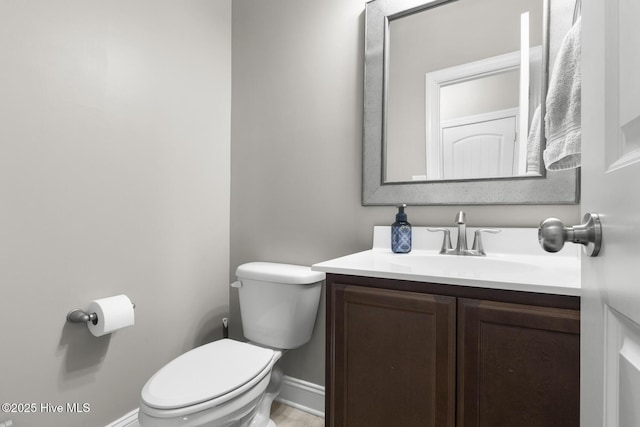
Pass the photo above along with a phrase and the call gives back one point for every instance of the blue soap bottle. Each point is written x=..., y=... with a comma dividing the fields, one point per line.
x=401, y=232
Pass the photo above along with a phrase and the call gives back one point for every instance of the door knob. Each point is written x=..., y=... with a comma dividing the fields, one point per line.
x=552, y=234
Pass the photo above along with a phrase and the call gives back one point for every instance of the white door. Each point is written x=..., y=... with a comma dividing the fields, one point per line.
x=610, y=344
x=479, y=150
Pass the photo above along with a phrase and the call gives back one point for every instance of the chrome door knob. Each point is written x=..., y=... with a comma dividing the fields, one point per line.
x=552, y=234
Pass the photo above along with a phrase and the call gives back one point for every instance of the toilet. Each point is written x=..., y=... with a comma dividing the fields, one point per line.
x=233, y=383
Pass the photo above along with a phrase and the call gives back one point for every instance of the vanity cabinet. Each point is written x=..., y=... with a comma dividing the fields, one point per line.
x=393, y=360
x=518, y=365
x=403, y=353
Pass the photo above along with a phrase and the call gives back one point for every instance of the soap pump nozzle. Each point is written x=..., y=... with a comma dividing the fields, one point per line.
x=401, y=216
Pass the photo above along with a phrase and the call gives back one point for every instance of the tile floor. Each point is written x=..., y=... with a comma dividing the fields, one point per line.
x=286, y=416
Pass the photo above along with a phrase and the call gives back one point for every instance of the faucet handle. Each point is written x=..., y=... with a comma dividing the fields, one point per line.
x=446, y=240
x=477, y=239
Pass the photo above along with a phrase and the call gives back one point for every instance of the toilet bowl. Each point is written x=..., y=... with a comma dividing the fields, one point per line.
x=233, y=383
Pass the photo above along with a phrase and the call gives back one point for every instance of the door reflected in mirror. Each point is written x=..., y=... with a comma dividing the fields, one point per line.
x=463, y=82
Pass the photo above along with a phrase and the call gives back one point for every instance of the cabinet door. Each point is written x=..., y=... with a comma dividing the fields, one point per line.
x=518, y=365
x=391, y=358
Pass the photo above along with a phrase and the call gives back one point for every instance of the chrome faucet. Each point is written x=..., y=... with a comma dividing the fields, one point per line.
x=461, y=246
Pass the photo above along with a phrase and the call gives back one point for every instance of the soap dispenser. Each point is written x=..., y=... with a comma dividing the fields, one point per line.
x=401, y=232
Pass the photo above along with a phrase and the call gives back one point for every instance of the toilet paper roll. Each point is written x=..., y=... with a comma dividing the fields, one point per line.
x=113, y=313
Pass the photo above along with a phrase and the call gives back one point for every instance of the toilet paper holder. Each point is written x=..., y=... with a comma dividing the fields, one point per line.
x=80, y=316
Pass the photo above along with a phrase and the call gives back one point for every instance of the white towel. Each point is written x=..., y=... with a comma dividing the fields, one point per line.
x=562, y=119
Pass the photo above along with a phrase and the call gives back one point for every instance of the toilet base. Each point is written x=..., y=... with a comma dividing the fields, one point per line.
x=263, y=413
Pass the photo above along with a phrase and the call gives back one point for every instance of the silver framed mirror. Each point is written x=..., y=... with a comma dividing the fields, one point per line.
x=388, y=32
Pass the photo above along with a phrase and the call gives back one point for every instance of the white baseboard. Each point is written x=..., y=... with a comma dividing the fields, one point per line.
x=128, y=420
x=299, y=394
x=303, y=395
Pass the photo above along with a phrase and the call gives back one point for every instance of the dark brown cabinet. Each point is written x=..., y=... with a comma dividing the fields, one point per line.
x=394, y=358
x=414, y=354
x=518, y=365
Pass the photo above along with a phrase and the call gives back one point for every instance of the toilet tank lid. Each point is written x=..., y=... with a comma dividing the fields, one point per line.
x=279, y=273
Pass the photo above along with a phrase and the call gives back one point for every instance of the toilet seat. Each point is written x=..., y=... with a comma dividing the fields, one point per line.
x=211, y=374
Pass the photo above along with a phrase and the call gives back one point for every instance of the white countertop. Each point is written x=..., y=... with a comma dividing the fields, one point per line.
x=514, y=261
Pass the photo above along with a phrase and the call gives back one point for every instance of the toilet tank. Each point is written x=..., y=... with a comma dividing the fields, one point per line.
x=278, y=303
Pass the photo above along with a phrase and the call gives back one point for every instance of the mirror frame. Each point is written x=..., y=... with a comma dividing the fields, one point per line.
x=553, y=187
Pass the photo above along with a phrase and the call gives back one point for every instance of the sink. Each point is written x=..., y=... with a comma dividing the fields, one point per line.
x=514, y=261
x=467, y=266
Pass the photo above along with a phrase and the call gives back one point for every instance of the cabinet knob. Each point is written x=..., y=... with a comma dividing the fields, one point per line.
x=552, y=234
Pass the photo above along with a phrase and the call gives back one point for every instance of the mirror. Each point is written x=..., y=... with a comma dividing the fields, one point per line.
x=453, y=107
x=450, y=91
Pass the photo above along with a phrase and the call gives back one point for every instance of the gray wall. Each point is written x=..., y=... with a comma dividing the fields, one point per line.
x=114, y=178
x=296, y=147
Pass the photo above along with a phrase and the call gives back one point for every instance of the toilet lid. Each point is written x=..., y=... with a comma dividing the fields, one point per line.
x=205, y=373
